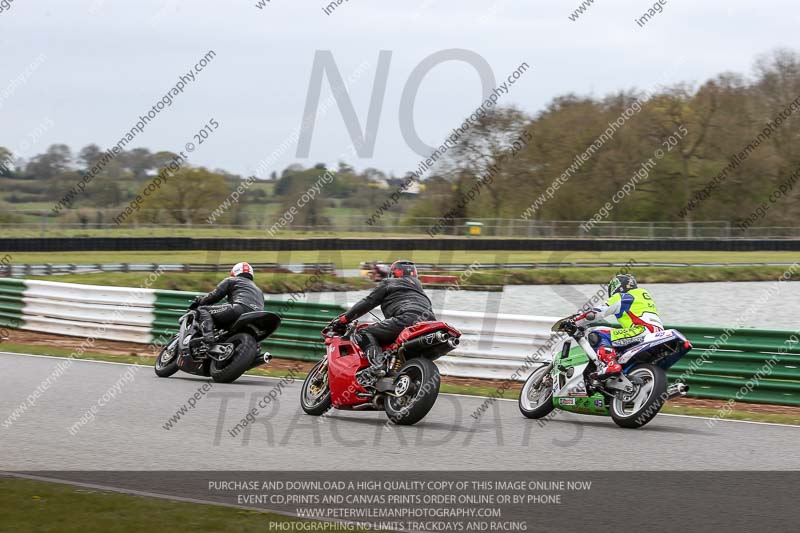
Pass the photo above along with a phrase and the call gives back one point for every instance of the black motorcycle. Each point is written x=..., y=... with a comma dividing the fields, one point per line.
x=231, y=353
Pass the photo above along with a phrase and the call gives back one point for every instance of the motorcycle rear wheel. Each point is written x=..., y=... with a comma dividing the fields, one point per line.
x=638, y=410
x=315, y=396
x=245, y=350
x=167, y=360
x=417, y=387
x=536, y=397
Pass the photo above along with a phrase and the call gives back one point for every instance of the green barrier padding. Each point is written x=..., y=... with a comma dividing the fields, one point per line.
x=11, y=305
x=756, y=396
x=12, y=287
x=298, y=337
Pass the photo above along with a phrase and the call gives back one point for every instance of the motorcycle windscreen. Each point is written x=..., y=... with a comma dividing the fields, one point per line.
x=343, y=363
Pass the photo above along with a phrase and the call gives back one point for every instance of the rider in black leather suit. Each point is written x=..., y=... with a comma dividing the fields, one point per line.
x=243, y=297
x=403, y=302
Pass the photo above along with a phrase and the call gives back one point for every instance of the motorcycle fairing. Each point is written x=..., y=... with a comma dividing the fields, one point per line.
x=344, y=360
x=575, y=385
x=574, y=365
x=586, y=405
x=660, y=348
x=573, y=396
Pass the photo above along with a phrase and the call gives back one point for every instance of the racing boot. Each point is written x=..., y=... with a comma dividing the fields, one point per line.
x=607, y=356
x=376, y=358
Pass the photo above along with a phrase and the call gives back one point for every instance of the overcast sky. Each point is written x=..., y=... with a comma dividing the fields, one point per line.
x=106, y=62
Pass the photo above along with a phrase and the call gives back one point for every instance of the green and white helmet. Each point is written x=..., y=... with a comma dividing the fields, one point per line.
x=621, y=283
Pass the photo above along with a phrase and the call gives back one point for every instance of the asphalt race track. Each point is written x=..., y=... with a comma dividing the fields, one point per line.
x=128, y=431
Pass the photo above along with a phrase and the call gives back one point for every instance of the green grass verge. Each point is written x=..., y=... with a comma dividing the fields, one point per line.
x=447, y=388
x=28, y=505
x=351, y=258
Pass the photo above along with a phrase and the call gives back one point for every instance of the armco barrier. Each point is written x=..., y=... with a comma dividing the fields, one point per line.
x=752, y=365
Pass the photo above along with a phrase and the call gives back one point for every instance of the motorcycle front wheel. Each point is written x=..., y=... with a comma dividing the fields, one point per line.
x=636, y=409
x=416, y=388
x=167, y=360
x=536, y=397
x=315, y=396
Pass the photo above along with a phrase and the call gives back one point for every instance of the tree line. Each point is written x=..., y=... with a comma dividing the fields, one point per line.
x=581, y=151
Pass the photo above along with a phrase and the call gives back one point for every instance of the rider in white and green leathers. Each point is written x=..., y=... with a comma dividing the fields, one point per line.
x=636, y=312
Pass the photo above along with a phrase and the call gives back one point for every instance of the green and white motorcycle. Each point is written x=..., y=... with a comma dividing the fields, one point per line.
x=632, y=398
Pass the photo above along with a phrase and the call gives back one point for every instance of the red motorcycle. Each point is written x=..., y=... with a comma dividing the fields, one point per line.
x=406, y=392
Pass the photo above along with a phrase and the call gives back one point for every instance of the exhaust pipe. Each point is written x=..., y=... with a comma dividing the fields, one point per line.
x=677, y=389
x=453, y=342
x=262, y=359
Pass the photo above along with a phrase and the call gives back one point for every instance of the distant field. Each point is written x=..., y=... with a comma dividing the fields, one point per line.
x=351, y=258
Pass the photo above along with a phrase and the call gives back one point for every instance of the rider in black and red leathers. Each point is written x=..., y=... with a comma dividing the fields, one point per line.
x=403, y=302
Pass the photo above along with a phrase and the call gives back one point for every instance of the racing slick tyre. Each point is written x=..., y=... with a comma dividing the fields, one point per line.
x=415, y=390
x=245, y=350
x=315, y=396
x=536, y=397
x=636, y=409
x=167, y=360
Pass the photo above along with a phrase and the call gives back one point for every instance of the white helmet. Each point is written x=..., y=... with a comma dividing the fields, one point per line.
x=240, y=269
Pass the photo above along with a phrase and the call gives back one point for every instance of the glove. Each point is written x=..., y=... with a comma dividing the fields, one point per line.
x=195, y=303
x=588, y=316
x=338, y=322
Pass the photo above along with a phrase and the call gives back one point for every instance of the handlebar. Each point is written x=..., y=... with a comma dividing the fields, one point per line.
x=568, y=326
x=339, y=329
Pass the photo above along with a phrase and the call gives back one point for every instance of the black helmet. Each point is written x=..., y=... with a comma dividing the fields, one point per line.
x=621, y=283
x=403, y=267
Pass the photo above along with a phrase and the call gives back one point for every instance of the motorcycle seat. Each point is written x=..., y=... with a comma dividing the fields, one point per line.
x=263, y=322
